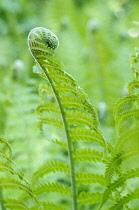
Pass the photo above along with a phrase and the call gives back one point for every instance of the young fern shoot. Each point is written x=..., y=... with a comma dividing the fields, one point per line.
x=76, y=116
x=42, y=44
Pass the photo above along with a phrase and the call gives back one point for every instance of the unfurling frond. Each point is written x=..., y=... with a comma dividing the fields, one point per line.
x=71, y=111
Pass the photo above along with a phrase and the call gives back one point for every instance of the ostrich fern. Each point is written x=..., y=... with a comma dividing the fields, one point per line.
x=74, y=113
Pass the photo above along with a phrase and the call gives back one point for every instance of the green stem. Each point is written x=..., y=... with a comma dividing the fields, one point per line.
x=69, y=142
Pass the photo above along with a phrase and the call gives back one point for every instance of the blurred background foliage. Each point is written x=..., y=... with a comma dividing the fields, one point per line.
x=94, y=47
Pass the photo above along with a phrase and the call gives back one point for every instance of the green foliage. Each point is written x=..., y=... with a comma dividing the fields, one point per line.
x=69, y=156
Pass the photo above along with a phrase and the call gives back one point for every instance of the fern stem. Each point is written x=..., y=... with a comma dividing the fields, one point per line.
x=69, y=142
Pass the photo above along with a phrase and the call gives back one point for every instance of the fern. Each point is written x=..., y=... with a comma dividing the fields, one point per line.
x=71, y=111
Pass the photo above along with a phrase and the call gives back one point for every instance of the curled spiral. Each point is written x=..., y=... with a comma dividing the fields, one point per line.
x=42, y=42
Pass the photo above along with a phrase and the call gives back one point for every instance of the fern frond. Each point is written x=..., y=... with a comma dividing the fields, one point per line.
x=89, y=198
x=89, y=178
x=48, y=107
x=83, y=134
x=122, y=101
x=51, y=166
x=87, y=154
x=52, y=187
x=52, y=121
x=42, y=44
x=15, y=204
x=125, y=115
